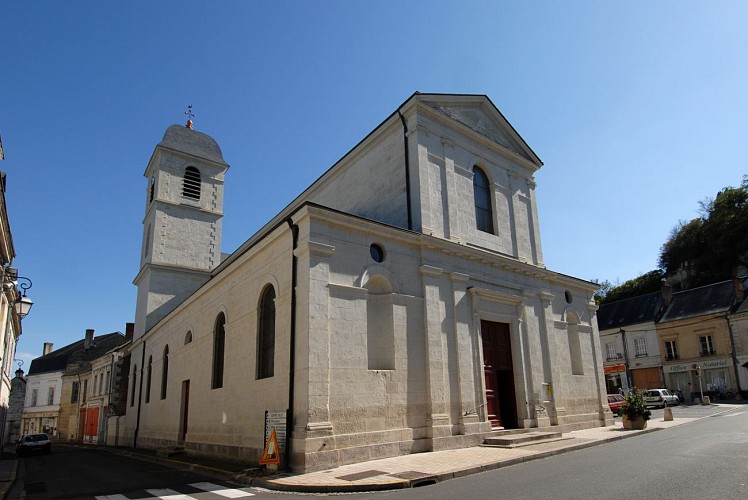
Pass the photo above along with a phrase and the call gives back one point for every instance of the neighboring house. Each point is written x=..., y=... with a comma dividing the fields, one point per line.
x=630, y=347
x=400, y=304
x=739, y=333
x=15, y=408
x=104, y=393
x=695, y=329
x=45, y=410
x=10, y=314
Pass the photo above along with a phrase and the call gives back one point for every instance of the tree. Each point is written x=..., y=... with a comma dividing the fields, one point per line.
x=646, y=283
x=713, y=247
x=602, y=292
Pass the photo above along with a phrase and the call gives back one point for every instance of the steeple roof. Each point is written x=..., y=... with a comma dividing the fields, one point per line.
x=181, y=138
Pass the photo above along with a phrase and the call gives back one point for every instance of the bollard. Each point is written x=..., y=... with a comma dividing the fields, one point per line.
x=668, y=414
x=706, y=401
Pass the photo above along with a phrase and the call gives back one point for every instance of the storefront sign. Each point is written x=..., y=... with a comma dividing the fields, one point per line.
x=615, y=369
x=676, y=368
x=718, y=363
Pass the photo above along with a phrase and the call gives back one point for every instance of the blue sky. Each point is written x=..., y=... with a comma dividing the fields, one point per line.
x=638, y=110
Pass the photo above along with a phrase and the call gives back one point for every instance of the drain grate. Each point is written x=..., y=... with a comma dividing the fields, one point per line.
x=362, y=475
x=411, y=475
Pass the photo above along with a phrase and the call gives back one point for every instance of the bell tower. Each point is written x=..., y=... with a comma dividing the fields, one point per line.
x=182, y=223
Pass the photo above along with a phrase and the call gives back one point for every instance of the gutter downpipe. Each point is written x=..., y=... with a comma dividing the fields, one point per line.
x=140, y=394
x=629, y=378
x=734, y=354
x=407, y=170
x=292, y=354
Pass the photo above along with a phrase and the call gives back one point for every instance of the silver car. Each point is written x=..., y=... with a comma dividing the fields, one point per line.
x=32, y=443
x=661, y=398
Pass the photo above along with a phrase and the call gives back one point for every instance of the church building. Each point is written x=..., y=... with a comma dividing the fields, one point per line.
x=399, y=304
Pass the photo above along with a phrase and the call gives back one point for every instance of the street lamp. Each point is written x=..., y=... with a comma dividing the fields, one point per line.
x=23, y=303
x=11, y=279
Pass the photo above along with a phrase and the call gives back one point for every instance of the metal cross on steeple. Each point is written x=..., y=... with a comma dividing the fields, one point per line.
x=190, y=116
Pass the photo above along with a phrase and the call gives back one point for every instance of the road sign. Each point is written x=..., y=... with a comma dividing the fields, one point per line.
x=271, y=454
x=277, y=421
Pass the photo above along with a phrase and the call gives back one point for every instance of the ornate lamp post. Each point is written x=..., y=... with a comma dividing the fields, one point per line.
x=23, y=303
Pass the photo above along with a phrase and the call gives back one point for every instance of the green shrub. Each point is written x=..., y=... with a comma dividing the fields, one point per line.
x=634, y=405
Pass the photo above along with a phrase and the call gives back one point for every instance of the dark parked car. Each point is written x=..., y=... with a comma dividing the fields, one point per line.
x=33, y=443
x=615, y=401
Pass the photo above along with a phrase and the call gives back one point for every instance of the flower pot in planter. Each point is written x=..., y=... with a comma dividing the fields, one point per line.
x=636, y=423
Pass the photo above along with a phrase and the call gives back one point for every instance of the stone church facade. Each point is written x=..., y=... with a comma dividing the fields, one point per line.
x=400, y=304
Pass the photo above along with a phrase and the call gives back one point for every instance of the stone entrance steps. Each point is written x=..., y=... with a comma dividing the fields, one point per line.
x=515, y=438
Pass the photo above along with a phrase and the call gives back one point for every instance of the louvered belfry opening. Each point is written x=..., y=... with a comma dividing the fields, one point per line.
x=191, y=187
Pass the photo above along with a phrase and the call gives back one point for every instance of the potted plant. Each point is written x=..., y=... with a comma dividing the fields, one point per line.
x=634, y=411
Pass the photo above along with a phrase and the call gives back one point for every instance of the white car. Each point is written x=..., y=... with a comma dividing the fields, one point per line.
x=661, y=398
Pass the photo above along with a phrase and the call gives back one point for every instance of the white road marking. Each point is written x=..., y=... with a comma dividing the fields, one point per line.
x=220, y=490
x=167, y=494
x=112, y=497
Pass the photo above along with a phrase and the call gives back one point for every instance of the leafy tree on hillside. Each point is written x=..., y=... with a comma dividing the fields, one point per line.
x=712, y=247
x=646, y=283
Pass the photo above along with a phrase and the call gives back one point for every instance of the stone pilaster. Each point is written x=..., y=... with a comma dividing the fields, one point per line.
x=549, y=348
x=466, y=357
x=437, y=418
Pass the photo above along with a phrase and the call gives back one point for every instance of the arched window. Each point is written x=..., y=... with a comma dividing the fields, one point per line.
x=482, y=195
x=219, y=344
x=191, y=185
x=132, y=387
x=148, y=383
x=266, y=333
x=165, y=373
x=188, y=338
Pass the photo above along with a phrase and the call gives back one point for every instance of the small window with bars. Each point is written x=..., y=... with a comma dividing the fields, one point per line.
x=191, y=185
x=707, y=345
x=610, y=351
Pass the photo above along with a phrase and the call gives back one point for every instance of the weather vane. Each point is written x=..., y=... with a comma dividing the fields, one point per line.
x=190, y=116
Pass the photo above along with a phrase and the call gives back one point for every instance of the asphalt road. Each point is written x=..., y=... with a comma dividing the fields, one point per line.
x=74, y=472
x=701, y=460
x=705, y=459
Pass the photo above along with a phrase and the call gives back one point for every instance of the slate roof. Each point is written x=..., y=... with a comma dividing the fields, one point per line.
x=193, y=142
x=634, y=310
x=708, y=299
x=60, y=359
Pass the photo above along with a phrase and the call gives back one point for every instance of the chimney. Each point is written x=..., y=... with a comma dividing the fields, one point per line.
x=89, y=339
x=129, y=329
x=667, y=293
x=738, y=290
x=47, y=348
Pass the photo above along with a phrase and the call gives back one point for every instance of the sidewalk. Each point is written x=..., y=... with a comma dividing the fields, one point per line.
x=425, y=468
x=8, y=469
x=405, y=471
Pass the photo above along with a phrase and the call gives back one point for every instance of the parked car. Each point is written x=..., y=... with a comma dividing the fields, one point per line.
x=33, y=443
x=615, y=401
x=661, y=398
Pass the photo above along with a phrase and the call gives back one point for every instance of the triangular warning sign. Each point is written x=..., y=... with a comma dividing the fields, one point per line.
x=271, y=455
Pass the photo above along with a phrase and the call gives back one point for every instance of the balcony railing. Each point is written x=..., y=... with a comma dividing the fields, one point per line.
x=710, y=352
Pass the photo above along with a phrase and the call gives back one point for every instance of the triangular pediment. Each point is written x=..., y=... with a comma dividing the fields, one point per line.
x=480, y=115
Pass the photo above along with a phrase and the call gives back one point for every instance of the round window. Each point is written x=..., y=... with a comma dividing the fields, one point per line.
x=377, y=253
